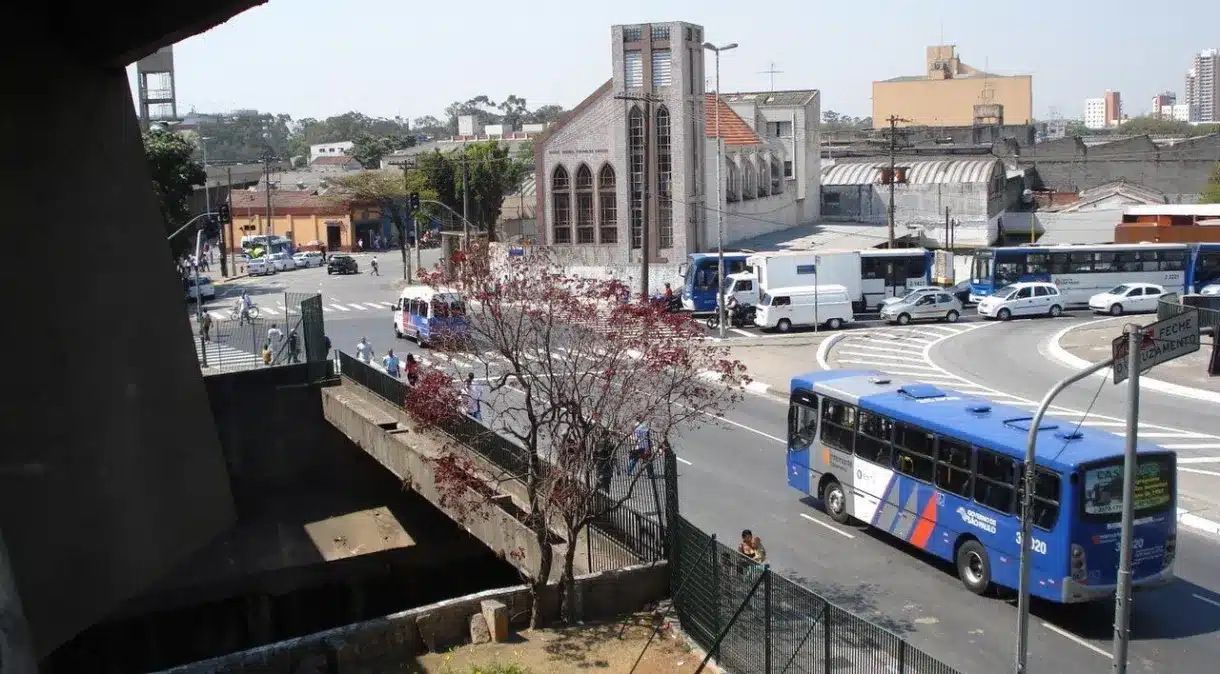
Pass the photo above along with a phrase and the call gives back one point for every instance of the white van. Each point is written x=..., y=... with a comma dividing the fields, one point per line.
x=785, y=308
x=743, y=287
x=423, y=313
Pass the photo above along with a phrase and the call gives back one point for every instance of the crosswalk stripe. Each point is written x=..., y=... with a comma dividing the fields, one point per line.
x=269, y=310
x=357, y=306
x=373, y=305
x=219, y=315
x=340, y=307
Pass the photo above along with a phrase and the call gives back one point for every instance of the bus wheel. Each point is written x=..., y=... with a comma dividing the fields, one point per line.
x=784, y=325
x=973, y=567
x=835, y=502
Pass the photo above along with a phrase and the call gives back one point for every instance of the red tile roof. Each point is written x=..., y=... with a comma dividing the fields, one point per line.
x=733, y=128
x=337, y=160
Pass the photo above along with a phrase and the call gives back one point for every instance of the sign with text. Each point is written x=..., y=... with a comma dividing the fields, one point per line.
x=1161, y=342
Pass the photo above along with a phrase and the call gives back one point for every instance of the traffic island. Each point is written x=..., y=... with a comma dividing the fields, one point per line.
x=1078, y=346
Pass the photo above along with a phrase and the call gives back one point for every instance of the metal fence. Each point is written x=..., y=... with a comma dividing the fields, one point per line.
x=752, y=619
x=634, y=507
x=227, y=342
x=1173, y=304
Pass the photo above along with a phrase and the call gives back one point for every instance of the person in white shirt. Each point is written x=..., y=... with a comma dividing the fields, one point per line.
x=273, y=338
x=364, y=351
x=473, y=394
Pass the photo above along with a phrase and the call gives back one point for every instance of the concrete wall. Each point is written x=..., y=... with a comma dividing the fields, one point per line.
x=391, y=641
x=1066, y=165
x=410, y=454
x=112, y=470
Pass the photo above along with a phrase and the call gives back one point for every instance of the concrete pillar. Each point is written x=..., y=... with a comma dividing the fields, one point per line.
x=16, y=648
x=259, y=622
x=112, y=473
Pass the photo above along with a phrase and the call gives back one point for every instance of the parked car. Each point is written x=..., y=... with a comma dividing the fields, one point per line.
x=909, y=297
x=342, y=264
x=1034, y=298
x=308, y=259
x=1127, y=298
x=937, y=305
x=259, y=266
x=203, y=288
x=281, y=261
x=1211, y=289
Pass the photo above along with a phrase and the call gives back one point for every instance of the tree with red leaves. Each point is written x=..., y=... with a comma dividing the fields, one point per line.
x=571, y=371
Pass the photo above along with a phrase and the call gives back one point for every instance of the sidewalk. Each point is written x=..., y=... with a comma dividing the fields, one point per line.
x=1079, y=345
x=773, y=364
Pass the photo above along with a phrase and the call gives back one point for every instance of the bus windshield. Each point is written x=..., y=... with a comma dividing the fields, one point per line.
x=982, y=268
x=1103, y=488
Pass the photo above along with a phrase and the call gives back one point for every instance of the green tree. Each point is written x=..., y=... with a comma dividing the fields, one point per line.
x=1211, y=193
x=174, y=177
x=389, y=189
x=369, y=149
x=494, y=172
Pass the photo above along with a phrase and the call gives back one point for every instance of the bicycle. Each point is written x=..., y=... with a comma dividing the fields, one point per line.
x=235, y=313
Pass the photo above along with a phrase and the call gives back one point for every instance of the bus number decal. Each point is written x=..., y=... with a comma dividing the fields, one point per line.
x=977, y=520
x=1037, y=545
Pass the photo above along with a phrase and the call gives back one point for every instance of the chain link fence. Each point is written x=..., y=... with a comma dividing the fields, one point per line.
x=751, y=619
x=290, y=332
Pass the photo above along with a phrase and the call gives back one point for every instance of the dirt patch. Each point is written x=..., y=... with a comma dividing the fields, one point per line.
x=611, y=647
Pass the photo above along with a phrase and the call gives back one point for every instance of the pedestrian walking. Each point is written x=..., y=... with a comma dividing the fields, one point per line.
x=274, y=337
x=294, y=347
x=642, y=449
x=364, y=351
x=473, y=394
x=412, y=370
x=205, y=327
x=391, y=364
x=373, y=264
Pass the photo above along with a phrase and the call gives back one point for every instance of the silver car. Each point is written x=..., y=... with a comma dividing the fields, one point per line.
x=923, y=306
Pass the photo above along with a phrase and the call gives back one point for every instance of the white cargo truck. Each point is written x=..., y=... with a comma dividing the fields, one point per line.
x=806, y=268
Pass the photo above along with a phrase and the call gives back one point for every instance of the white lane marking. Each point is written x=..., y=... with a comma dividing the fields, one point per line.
x=268, y=310
x=1072, y=637
x=741, y=332
x=1200, y=597
x=357, y=306
x=219, y=315
x=1188, y=445
x=835, y=529
x=1199, y=459
x=1195, y=522
x=868, y=347
x=758, y=387
x=745, y=427
x=1142, y=435
x=1197, y=471
x=340, y=307
x=684, y=461
x=373, y=305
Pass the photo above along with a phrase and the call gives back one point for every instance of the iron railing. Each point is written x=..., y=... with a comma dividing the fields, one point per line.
x=1208, y=306
x=751, y=619
x=228, y=343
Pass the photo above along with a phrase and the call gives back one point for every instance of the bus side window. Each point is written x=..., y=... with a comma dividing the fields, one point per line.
x=838, y=424
x=874, y=442
x=1046, y=497
x=914, y=449
x=802, y=424
x=953, y=466
x=993, y=481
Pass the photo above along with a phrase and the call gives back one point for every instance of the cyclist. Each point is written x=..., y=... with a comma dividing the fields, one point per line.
x=245, y=304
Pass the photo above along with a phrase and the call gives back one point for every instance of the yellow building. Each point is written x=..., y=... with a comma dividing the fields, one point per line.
x=951, y=93
x=305, y=218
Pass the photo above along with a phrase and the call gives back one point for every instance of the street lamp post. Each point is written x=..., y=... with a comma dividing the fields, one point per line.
x=720, y=301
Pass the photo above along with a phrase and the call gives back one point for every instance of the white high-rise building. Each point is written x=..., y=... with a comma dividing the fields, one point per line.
x=1203, y=87
x=1095, y=113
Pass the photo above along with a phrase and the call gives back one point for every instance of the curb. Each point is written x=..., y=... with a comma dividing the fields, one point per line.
x=824, y=349
x=1066, y=359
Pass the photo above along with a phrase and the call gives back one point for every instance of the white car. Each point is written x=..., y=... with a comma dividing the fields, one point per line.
x=281, y=261
x=1023, y=299
x=304, y=260
x=203, y=289
x=259, y=266
x=911, y=296
x=1131, y=298
x=1211, y=289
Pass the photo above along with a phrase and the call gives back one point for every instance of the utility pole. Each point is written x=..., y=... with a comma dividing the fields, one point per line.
x=893, y=174
x=1122, y=598
x=402, y=231
x=232, y=252
x=267, y=177
x=645, y=196
x=465, y=200
x=721, y=300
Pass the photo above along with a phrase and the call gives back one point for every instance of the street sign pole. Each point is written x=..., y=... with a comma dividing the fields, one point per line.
x=817, y=315
x=1122, y=599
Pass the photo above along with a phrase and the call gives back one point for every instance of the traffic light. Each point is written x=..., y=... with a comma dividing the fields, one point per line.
x=223, y=214
x=415, y=201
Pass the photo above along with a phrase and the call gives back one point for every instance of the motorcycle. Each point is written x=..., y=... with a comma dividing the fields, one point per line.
x=739, y=316
x=671, y=305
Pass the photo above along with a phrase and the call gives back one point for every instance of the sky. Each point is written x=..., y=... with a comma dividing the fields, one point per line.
x=387, y=58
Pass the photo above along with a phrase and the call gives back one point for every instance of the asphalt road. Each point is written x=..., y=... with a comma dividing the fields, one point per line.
x=732, y=477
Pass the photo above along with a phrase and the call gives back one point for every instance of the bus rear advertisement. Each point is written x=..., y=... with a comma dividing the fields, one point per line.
x=945, y=471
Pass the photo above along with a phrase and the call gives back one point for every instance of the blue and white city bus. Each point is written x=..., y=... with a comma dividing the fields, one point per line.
x=942, y=471
x=701, y=278
x=1081, y=271
x=1204, y=266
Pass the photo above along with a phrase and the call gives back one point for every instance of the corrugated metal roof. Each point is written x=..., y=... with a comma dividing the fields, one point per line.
x=764, y=98
x=934, y=172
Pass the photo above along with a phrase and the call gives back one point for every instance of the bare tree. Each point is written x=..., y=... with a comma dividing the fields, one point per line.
x=592, y=387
